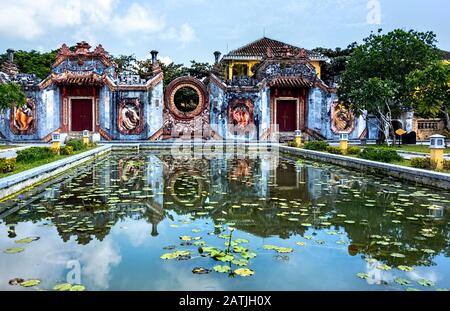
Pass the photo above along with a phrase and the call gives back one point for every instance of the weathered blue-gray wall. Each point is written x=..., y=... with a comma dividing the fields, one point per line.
x=220, y=102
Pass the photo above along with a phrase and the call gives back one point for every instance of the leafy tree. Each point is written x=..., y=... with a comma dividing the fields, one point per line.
x=381, y=64
x=430, y=90
x=171, y=72
x=125, y=63
x=11, y=94
x=332, y=71
x=33, y=62
x=198, y=70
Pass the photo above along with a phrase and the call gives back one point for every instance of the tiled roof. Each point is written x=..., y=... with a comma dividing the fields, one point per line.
x=258, y=49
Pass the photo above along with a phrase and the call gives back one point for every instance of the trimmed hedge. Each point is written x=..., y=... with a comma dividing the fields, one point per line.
x=425, y=163
x=7, y=165
x=354, y=150
x=317, y=145
x=380, y=155
x=66, y=150
x=334, y=150
x=76, y=144
x=34, y=154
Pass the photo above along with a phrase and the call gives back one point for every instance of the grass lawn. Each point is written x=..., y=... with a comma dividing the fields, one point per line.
x=21, y=167
x=413, y=148
x=5, y=147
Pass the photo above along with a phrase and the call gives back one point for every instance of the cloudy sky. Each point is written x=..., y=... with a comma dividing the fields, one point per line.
x=193, y=29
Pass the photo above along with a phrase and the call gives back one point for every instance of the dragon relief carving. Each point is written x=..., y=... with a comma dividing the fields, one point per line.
x=23, y=119
x=131, y=117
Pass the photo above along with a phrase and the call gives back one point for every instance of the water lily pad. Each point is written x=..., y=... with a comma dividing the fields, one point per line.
x=176, y=255
x=384, y=267
x=402, y=281
x=30, y=283
x=321, y=242
x=240, y=262
x=425, y=282
x=362, y=275
x=200, y=270
x=284, y=250
x=62, y=287
x=248, y=255
x=241, y=241
x=270, y=247
x=306, y=225
x=26, y=240
x=78, y=288
x=442, y=289
x=301, y=243
x=13, y=250
x=223, y=257
x=239, y=249
x=244, y=272
x=412, y=289
x=308, y=237
x=350, y=222
x=428, y=251
x=222, y=269
x=185, y=238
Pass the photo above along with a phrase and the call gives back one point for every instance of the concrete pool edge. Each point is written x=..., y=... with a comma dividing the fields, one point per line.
x=424, y=177
x=18, y=182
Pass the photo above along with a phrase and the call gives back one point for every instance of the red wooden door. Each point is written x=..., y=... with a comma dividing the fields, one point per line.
x=287, y=115
x=81, y=115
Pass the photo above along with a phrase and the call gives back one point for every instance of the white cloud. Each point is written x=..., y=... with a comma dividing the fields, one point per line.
x=166, y=60
x=187, y=34
x=85, y=19
x=137, y=19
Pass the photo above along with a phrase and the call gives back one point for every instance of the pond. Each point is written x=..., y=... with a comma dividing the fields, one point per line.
x=152, y=220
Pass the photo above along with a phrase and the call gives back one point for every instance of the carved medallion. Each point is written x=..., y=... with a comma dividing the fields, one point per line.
x=342, y=118
x=23, y=119
x=131, y=117
x=241, y=116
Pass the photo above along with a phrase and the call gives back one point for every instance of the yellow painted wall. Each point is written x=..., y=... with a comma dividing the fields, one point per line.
x=249, y=65
x=318, y=68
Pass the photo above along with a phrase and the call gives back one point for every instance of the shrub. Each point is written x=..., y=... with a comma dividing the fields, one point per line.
x=424, y=163
x=317, y=145
x=7, y=165
x=76, y=144
x=380, y=155
x=34, y=154
x=66, y=150
x=292, y=144
x=334, y=150
x=447, y=165
x=354, y=150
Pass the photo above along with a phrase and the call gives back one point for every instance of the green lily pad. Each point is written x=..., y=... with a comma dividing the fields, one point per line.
x=200, y=270
x=402, y=281
x=62, y=287
x=425, y=282
x=239, y=249
x=405, y=268
x=412, y=289
x=306, y=225
x=384, y=267
x=350, y=222
x=175, y=255
x=442, y=289
x=428, y=251
x=284, y=250
x=185, y=238
x=270, y=247
x=30, y=283
x=241, y=241
x=308, y=237
x=196, y=230
x=222, y=269
x=78, y=288
x=13, y=250
x=244, y=272
x=301, y=243
x=362, y=275
x=248, y=255
x=240, y=262
x=26, y=240
x=224, y=257
x=321, y=242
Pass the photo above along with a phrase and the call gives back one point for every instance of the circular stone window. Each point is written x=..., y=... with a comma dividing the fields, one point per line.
x=186, y=97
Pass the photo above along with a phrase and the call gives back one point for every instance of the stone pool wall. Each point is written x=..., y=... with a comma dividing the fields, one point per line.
x=419, y=176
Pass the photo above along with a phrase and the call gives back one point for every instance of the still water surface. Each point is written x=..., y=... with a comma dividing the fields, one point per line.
x=311, y=227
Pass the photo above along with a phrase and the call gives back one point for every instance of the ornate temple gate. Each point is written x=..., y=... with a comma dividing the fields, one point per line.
x=79, y=108
x=289, y=111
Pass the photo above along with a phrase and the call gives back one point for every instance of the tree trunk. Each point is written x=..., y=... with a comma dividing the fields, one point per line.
x=447, y=117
